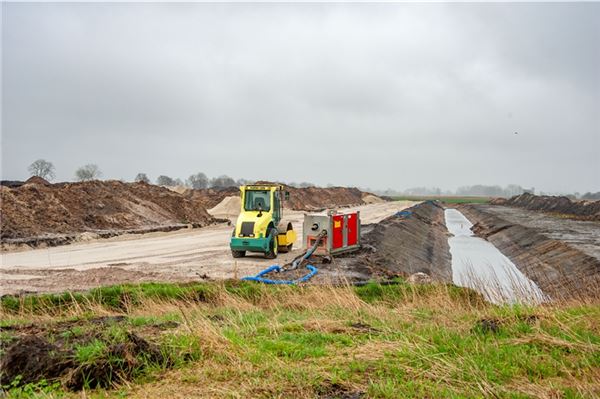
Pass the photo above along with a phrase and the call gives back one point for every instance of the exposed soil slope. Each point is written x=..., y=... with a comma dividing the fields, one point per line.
x=558, y=268
x=35, y=209
x=412, y=241
x=587, y=210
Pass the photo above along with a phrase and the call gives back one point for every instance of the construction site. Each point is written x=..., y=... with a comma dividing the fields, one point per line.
x=312, y=200
x=71, y=242
x=99, y=233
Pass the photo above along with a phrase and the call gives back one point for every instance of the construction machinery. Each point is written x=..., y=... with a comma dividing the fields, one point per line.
x=334, y=232
x=323, y=236
x=260, y=226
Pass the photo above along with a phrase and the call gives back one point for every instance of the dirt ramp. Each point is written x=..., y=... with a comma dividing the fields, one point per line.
x=412, y=241
x=35, y=208
x=585, y=210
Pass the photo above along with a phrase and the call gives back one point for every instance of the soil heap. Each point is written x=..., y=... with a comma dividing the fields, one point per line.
x=302, y=199
x=39, y=208
x=585, y=210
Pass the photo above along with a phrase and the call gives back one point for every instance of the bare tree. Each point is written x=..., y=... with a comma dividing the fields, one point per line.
x=199, y=180
x=142, y=178
x=163, y=180
x=222, y=182
x=42, y=168
x=88, y=172
x=241, y=182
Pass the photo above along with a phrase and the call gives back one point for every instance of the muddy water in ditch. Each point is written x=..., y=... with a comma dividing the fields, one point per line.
x=478, y=264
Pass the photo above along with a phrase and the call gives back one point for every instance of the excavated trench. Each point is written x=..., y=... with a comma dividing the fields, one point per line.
x=524, y=263
x=478, y=264
x=554, y=254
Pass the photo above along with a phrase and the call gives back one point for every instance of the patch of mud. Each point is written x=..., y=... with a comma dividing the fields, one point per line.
x=33, y=353
x=334, y=390
x=582, y=209
x=559, y=269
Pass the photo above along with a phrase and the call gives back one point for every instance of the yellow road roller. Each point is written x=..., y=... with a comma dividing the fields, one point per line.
x=260, y=226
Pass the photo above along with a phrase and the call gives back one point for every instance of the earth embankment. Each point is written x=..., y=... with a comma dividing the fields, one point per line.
x=578, y=209
x=35, y=209
x=301, y=199
x=411, y=241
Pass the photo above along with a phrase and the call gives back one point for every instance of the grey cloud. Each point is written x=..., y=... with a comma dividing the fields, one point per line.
x=379, y=95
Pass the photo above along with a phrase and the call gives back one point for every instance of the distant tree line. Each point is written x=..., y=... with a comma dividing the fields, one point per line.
x=591, y=196
x=195, y=181
x=46, y=170
x=478, y=190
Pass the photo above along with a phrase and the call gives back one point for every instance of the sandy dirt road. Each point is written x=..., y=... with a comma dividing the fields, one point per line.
x=184, y=255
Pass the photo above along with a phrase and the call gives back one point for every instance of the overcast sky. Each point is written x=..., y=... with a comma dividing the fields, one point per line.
x=372, y=95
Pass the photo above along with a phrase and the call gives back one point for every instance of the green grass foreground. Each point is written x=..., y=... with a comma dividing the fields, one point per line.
x=245, y=340
x=444, y=199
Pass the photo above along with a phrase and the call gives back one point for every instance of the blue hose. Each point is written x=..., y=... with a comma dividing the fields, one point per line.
x=275, y=268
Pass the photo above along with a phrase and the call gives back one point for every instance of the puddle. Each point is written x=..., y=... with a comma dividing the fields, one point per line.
x=478, y=264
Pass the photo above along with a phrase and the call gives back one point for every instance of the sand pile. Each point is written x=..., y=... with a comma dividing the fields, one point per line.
x=177, y=189
x=211, y=197
x=39, y=209
x=586, y=210
x=372, y=199
x=229, y=208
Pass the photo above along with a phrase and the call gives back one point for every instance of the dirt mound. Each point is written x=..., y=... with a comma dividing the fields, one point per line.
x=38, y=209
x=317, y=198
x=302, y=199
x=228, y=208
x=372, y=199
x=37, y=180
x=211, y=197
x=412, y=241
x=587, y=210
x=33, y=358
x=11, y=183
x=50, y=353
